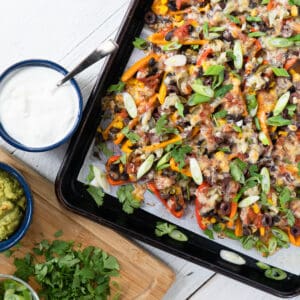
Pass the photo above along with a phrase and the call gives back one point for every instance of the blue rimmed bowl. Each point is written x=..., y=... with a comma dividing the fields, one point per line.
x=54, y=66
x=27, y=217
x=33, y=294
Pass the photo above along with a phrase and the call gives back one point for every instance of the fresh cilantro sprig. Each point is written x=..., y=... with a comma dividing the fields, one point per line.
x=132, y=136
x=179, y=153
x=118, y=87
x=164, y=228
x=162, y=128
x=140, y=43
x=125, y=196
x=64, y=272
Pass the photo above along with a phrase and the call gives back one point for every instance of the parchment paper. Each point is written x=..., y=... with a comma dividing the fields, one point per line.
x=286, y=259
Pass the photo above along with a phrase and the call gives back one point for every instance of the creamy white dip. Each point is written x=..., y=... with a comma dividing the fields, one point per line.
x=33, y=110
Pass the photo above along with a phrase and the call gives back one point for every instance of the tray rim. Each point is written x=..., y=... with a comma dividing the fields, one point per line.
x=69, y=159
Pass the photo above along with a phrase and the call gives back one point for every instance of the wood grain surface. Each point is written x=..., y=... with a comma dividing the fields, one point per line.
x=141, y=276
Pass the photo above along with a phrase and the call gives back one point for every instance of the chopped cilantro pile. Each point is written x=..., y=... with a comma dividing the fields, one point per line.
x=64, y=271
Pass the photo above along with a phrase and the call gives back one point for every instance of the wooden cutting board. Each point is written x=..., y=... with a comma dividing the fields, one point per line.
x=141, y=275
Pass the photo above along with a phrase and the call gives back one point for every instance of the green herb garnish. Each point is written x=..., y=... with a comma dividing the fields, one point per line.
x=280, y=72
x=125, y=196
x=119, y=87
x=163, y=228
x=140, y=43
x=278, y=121
x=161, y=127
x=132, y=136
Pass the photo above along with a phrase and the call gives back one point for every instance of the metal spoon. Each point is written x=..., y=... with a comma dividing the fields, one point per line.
x=103, y=50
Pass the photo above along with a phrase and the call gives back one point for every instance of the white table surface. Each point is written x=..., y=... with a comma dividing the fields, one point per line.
x=65, y=31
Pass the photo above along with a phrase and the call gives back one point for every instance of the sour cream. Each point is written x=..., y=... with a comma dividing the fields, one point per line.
x=33, y=110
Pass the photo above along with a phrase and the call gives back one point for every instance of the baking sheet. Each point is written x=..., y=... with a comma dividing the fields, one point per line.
x=287, y=259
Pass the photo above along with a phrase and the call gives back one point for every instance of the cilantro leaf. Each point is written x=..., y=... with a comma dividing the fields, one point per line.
x=179, y=153
x=132, y=136
x=97, y=194
x=208, y=232
x=220, y=114
x=105, y=150
x=58, y=233
x=119, y=87
x=284, y=196
x=163, y=228
x=223, y=90
x=237, y=168
x=125, y=196
x=140, y=43
x=161, y=127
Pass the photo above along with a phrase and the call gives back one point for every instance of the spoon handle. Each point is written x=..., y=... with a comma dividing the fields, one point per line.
x=103, y=50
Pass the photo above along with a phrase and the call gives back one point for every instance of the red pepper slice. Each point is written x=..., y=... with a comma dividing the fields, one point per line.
x=110, y=179
x=201, y=189
x=176, y=213
x=204, y=56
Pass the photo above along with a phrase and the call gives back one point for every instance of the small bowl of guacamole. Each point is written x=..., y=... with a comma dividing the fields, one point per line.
x=16, y=206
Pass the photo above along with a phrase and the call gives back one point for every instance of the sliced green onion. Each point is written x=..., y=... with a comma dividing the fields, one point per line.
x=278, y=121
x=171, y=46
x=197, y=99
x=214, y=70
x=262, y=265
x=263, y=138
x=279, y=42
x=100, y=179
x=295, y=38
x=165, y=159
x=203, y=89
x=145, y=166
x=196, y=171
x=140, y=43
x=180, y=108
x=281, y=103
x=223, y=90
x=130, y=105
x=272, y=244
x=178, y=235
x=275, y=273
x=256, y=34
x=280, y=234
x=216, y=29
x=265, y=181
x=253, y=19
x=280, y=72
x=177, y=60
x=248, y=201
x=238, y=55
x=232, y=257
x=257, y=124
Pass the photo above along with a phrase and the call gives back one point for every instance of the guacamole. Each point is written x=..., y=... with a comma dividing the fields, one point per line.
x=12, y=204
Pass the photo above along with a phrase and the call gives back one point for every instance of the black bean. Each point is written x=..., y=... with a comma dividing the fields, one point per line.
x=252, y=4
x=124, y=176
x=152, y=71
x=208, y=81
x=150, y=18
x=152, y=62
x=295, y=231
x=190, y=28
x=169, y=35
x=172, y=5
x=173, y=89
x=210, y=213
x=225, y=208
x=178, y=207
x=276, y=219
x=246, y=230
x=222, y=4
x=267, y=220
x=227, y=36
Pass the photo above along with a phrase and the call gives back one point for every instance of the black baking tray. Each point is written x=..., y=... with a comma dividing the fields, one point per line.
x=141, y=225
